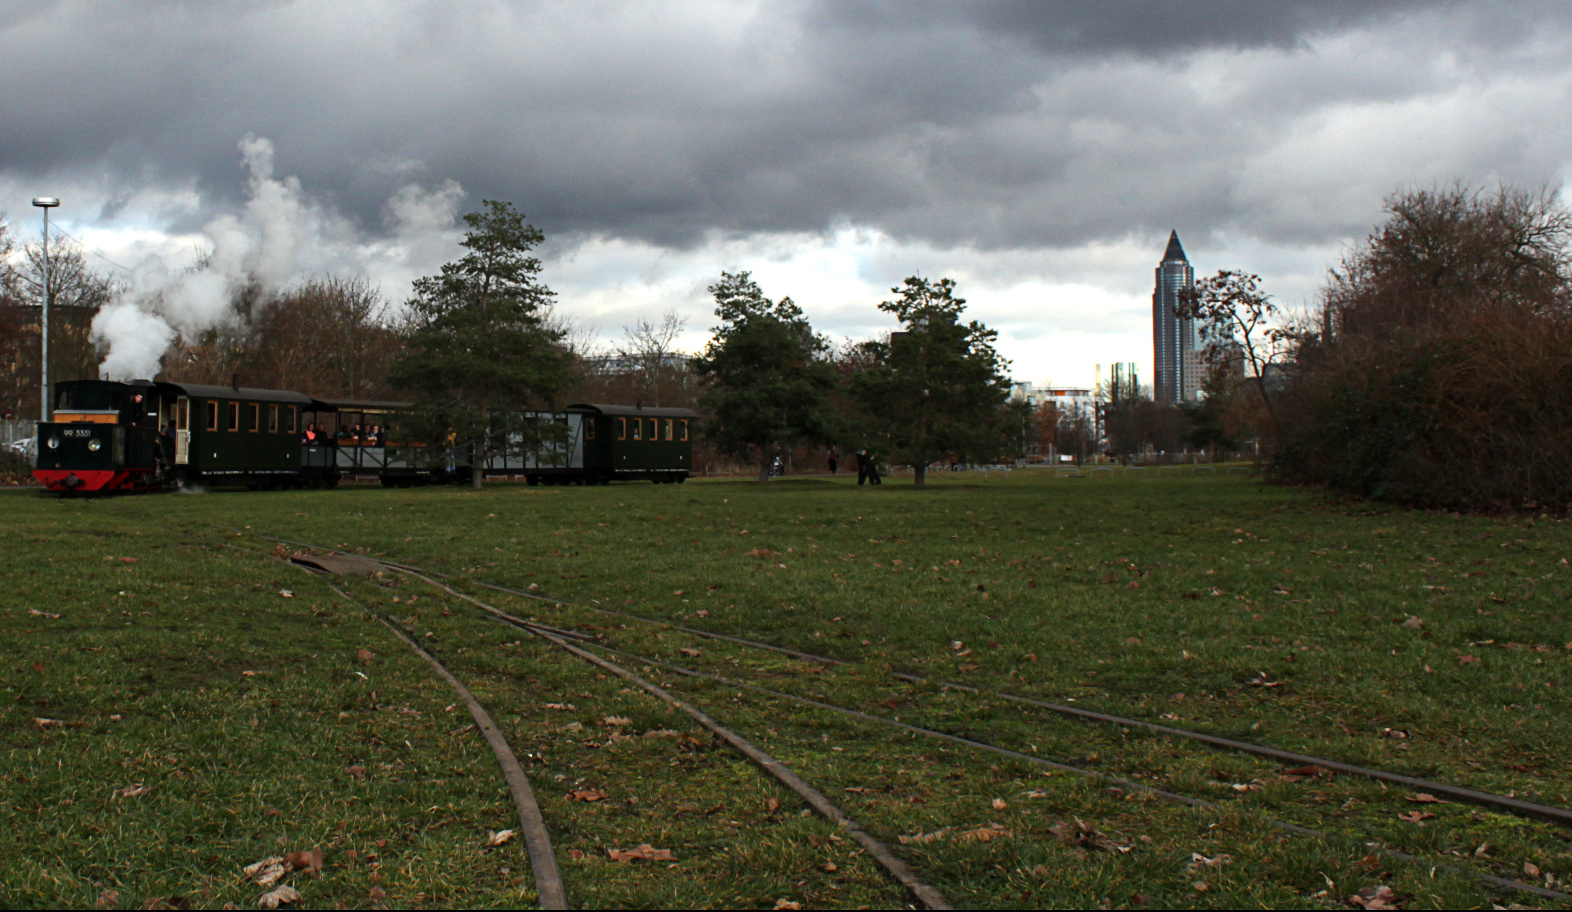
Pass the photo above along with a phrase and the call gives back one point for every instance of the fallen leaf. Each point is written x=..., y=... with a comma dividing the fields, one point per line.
x=615, y=721
x=39, y=666
x=266, y=872
x=283, y=893
x=129, y=560
x=1380, y=897
x=924, y=838
x=645, y=852
x=1531, y=869
x=305, y=861
x=287, y=594
x=1468, y=659
x=1414, y=622
x=1197, y=860
x=1200, y=886
x=1309, y=772
x=772, y=805
x=1415, y=816
x=248, y=674
x=1185, y=654
x=377, y=893
x=1081, y=833
x=982, y=834
x=135, y=790
x=559, y=705
x=690, y=652
x=830, y=866
x=500, y=837
x=1425, y=798
x=359, y=772
x=47, y=723
x=109, y=899
x=999, y=804
x=787, y=904
x=365, y=655
x=37, y=613
x=587, y=795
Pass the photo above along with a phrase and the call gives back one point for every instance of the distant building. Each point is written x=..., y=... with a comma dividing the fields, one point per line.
x=1176, y=360
x=1067, y=399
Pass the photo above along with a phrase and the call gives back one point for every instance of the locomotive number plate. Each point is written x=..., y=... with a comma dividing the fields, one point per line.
x=79, y=432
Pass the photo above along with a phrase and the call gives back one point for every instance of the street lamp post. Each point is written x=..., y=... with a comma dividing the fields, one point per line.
x=45, y=203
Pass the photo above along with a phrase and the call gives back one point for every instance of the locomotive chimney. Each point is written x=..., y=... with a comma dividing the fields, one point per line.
x=234, y=380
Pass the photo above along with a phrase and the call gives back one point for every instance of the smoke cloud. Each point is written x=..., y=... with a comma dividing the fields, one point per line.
x=281, y=236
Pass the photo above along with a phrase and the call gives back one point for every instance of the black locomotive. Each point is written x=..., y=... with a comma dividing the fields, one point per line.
x=147, y=436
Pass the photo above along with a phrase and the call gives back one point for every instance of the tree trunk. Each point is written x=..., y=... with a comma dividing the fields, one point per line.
x=477, y=463
x=764, y=467
x=919, y=475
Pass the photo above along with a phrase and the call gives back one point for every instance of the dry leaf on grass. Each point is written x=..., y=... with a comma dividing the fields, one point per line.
x=587, y=795
x=43, y=614
x=1425, y=798
x=786, y=904
x=982, y=834
x=690, y=652
x=136, y=790
x=268, y=871
x=286, y=594
x=563, y=706
x=47, y=723
x=1380, y=897
x=282, y=894
x=1468, y=659
x=109, y=899
x=999, y=804
x=1531, y=869
x=305, y=861
x=772, y=804
x=1415, y=816
x=830, y=866
x=1197, y=860
x=1414, y=623
x=644, y=852
x=1081, y=833
x=500, y=837
x=365, y=655
x=615, y=721
x=924, y=838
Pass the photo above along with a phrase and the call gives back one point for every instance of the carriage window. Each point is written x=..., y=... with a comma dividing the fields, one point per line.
x=256, y=419
x=669, y=431
x=272, y=419
x=212, y=416
x=589, y=429
x=684, y=425
x=638, y=429
x=182, y=414
x=622, y=429
x=654, y=429
x=294, y=425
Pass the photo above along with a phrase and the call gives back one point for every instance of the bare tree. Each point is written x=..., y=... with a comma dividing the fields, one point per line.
x=649, y=357
x=1237, y=319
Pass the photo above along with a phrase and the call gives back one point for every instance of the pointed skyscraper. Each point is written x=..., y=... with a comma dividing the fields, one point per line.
x=1176, y=360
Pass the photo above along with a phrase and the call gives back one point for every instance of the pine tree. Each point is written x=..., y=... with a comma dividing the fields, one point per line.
x=937, y=388
x=769, y=379
x=482, y=352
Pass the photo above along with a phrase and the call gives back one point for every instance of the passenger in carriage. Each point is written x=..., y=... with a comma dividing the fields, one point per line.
x=309, y=436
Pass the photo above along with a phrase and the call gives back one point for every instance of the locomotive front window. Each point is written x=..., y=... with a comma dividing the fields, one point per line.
x=684, y=424
x=638, y=429
x=212, y=415
x=622, y=429
x=272, y=419
x=234, y=416
x=669, y=431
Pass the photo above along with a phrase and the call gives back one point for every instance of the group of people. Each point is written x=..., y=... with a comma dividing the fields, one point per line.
x=356, y=435
x=867, y=466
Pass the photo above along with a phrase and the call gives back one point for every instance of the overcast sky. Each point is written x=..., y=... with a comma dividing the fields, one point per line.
x=1038, y=153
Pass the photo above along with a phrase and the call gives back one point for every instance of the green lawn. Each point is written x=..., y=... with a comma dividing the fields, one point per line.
x=1261, y=613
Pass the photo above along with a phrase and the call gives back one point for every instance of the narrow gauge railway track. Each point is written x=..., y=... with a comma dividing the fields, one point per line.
x=548, y=876
x=1507, y=803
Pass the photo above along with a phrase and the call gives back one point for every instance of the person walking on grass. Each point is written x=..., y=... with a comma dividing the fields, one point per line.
x=834, y=457
x=867, y=470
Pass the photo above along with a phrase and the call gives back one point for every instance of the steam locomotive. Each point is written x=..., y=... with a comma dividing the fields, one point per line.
x=143, y=435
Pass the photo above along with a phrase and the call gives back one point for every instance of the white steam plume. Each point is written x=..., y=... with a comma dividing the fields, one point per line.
x=280, y=237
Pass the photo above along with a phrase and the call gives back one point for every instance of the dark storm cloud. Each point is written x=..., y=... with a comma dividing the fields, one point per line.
x=988, y=124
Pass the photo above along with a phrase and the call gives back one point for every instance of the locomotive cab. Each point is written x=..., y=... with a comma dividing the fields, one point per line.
x=104, y=436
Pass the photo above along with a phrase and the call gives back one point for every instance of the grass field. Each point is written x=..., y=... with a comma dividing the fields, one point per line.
x=145, y=646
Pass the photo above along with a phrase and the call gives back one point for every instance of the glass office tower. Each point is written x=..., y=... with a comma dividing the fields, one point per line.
x=1176, y=361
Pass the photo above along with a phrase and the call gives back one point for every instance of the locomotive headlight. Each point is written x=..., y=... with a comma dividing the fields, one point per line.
x=94, y=446
x=54, y=443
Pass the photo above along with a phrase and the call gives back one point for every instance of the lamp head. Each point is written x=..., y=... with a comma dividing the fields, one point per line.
x=46, y=202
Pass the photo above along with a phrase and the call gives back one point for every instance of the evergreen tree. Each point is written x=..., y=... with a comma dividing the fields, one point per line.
x=768, y=375
x=937, y=388
x=482, y=353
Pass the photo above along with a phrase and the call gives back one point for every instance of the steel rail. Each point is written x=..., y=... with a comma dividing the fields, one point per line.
x=1510, y=804
x=926, y=896
x=1506, y=883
